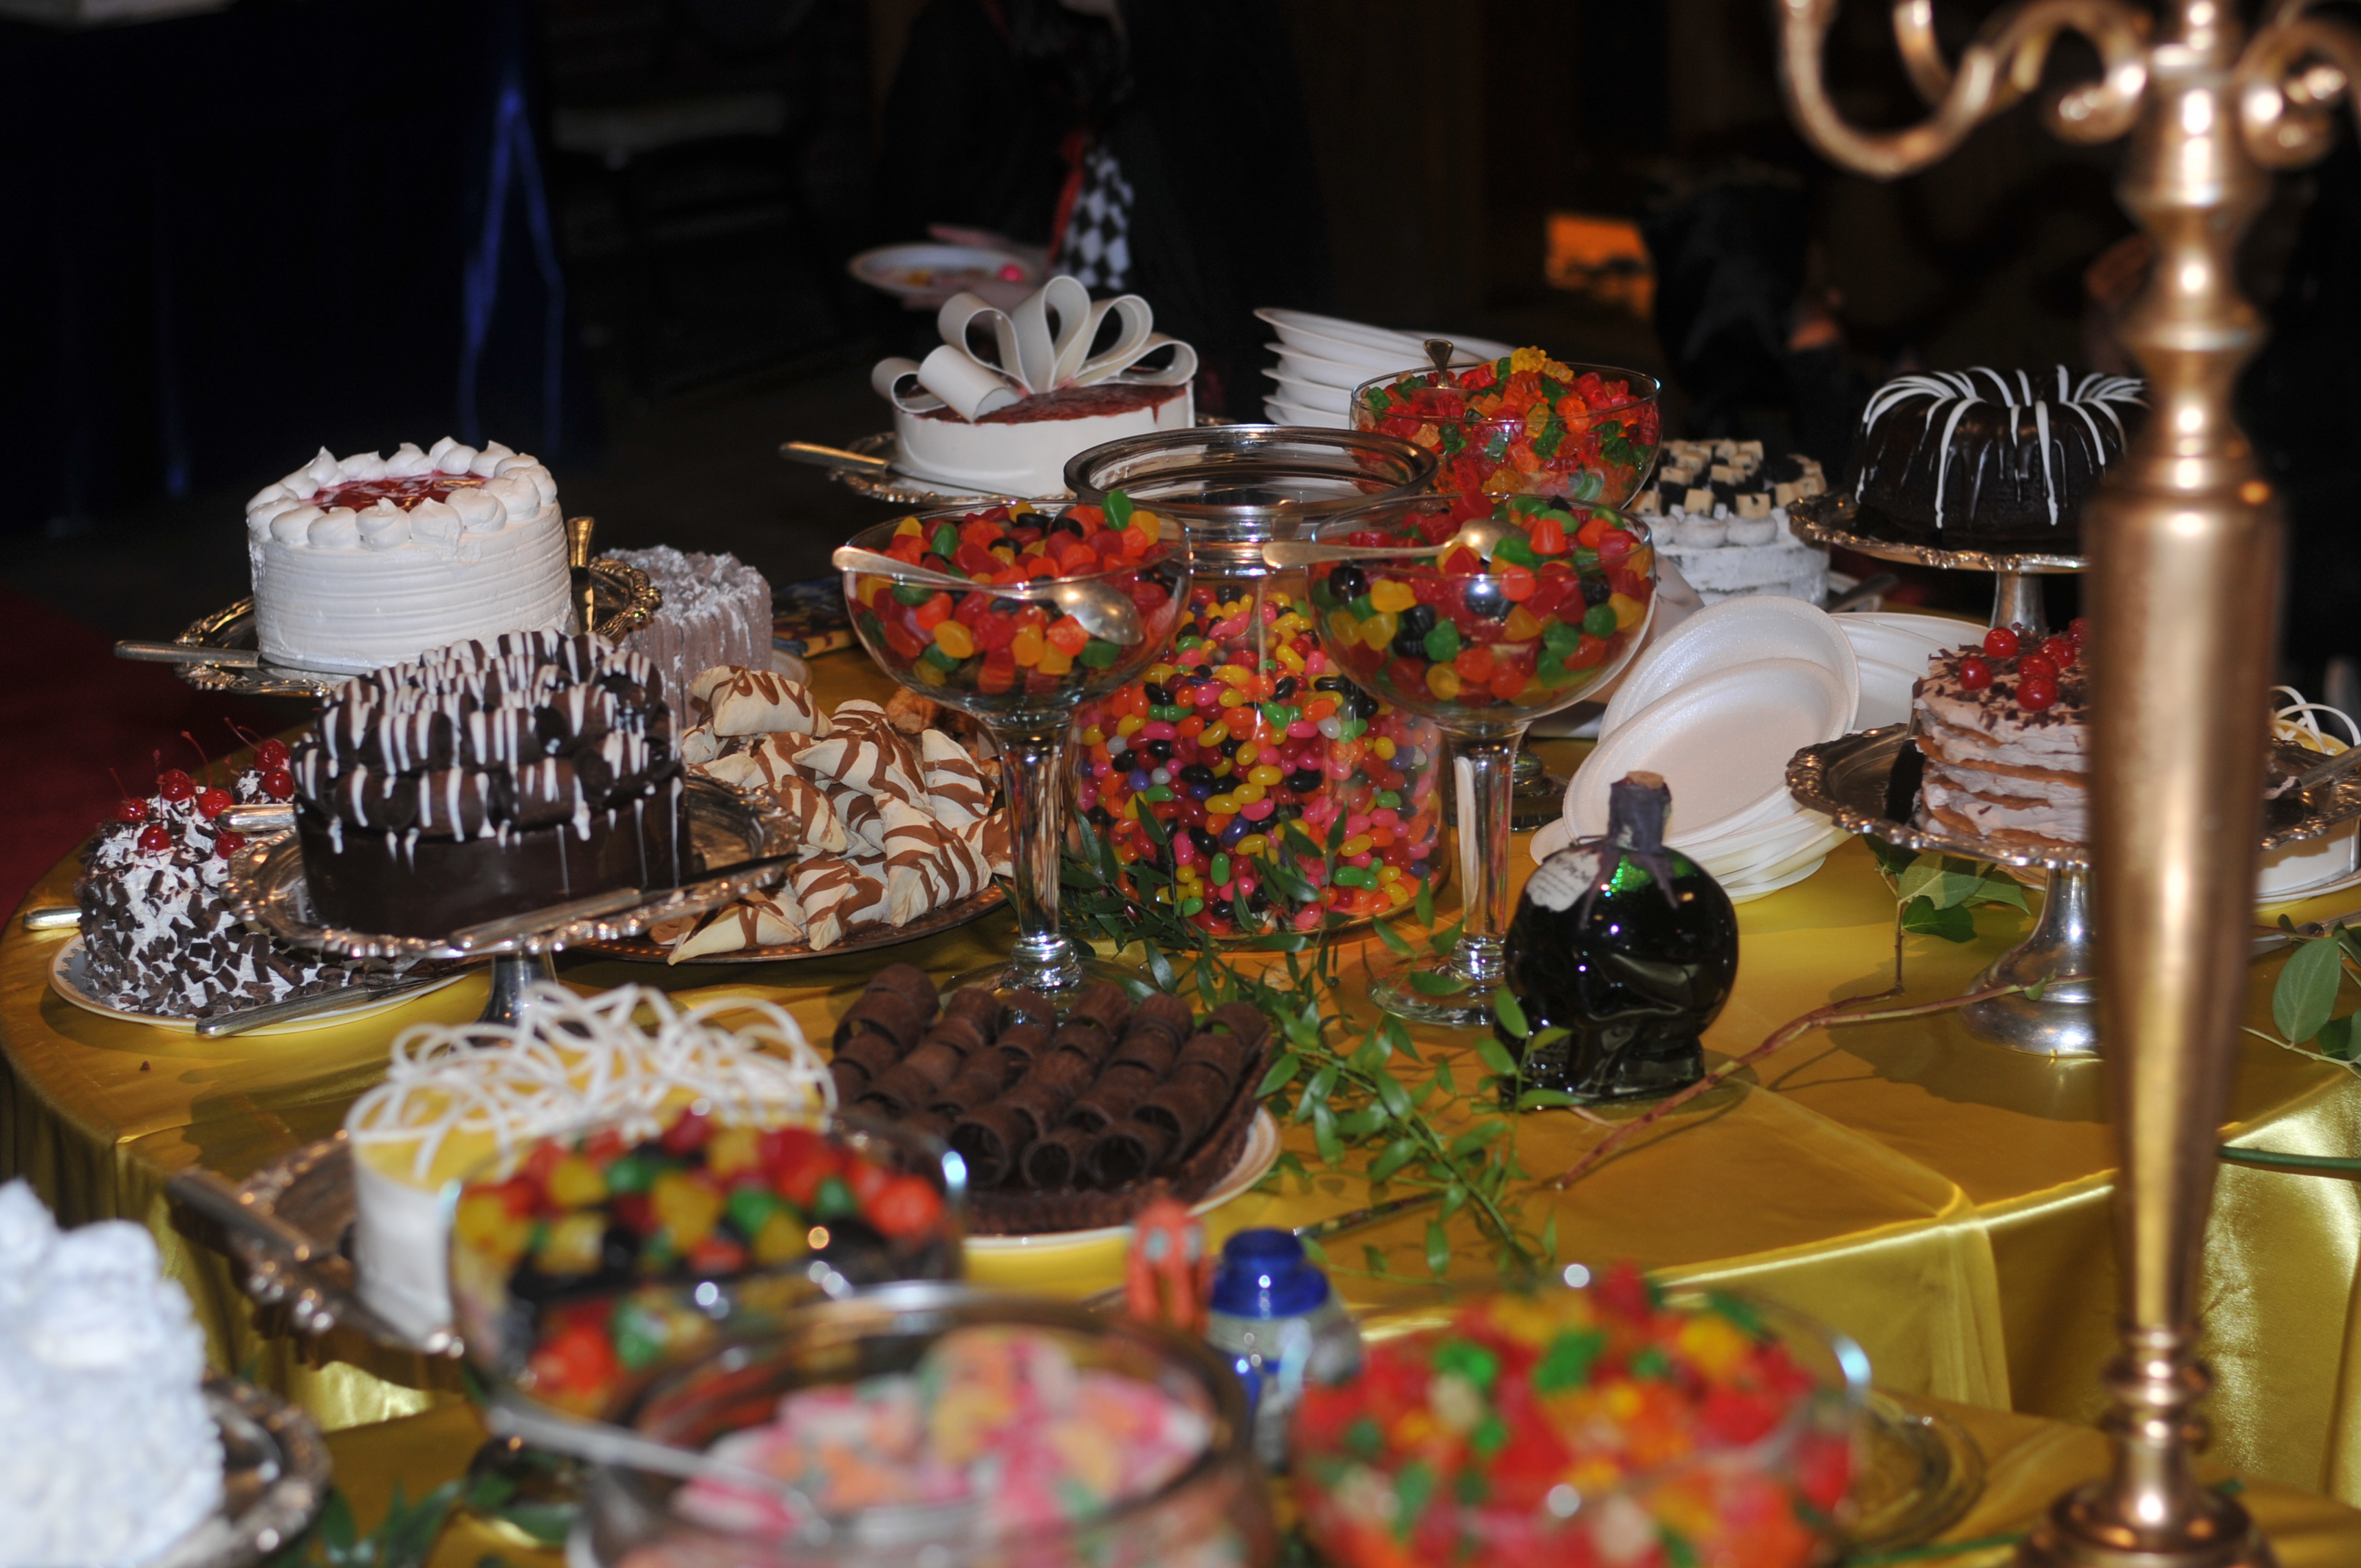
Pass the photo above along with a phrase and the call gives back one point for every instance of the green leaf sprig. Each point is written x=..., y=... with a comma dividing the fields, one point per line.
x=2303, y=1001
x=1377, y=1107
x=1937, y=896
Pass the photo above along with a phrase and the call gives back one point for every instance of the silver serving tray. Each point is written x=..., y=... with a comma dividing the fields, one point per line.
x=729, y=827
x=626, y=600
x=311, y=1191
x=1831, y=518
x=274, y=1480
x=1846, y=778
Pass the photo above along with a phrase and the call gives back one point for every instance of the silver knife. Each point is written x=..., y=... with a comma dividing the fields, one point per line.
x=189, y=654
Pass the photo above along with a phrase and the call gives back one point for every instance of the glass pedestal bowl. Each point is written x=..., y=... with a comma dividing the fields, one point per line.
x=1533, y=604
x=1523, y=425
x=1020, y=641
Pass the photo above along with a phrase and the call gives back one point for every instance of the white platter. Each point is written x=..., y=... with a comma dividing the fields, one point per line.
x=1734, y=634
x=66, y=979
x=1253, y=1163
x=1721, y=742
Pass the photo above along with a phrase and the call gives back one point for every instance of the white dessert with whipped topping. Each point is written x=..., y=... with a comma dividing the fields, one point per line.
x=1998, y=769
x=369, y=560
x=1719, y=511
x=111, y=1454
x=457, y=1099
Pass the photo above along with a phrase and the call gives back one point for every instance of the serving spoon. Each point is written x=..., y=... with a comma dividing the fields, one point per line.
x=1481, y=534
x=1104, y=610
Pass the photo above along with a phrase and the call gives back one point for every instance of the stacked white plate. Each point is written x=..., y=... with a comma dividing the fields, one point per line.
x=1323, y=358
x=1718, y=708
x=1892, y=648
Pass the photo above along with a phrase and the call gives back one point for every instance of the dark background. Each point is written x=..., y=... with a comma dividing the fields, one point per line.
x=239, y=236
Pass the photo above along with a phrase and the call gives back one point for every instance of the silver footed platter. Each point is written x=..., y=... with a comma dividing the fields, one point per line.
x=217, y=652
x=744, y=840
x=1848, y=778
x=1831, y=518
x=289, y=1227
x=274, y=1480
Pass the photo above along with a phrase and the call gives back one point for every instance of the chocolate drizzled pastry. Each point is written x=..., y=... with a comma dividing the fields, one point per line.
x=489, y=779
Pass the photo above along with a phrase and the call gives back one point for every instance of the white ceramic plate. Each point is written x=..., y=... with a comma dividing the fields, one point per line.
x=1285, y=412
x=1884, y=695
x=1731, y=635
x=1721, y=742
x=1260, y=1154
x=1312, y=394
x=905, y=271
x=66, y=979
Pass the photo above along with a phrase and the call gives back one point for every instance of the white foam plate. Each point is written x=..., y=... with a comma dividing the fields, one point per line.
x=1721, y=742
x=1884, y=695
x=1747, y=892
x=1337, y=400
x=1897, y=647
x=1284, y=412
x=1745, y=854
x=1253, y=1163
x=1730, y=635
x=1296, y=365
x=925, y=270
x=1357, y=343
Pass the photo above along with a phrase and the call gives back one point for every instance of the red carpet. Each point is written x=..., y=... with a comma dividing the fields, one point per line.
x=72, y=710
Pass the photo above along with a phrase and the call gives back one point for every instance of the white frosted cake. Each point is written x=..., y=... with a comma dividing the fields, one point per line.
x=1022, y=450
x=1008, y=396
x=1719, y=513
x=456, y=1099
x=365, y=561
x=716, y=610
x=111, y=1454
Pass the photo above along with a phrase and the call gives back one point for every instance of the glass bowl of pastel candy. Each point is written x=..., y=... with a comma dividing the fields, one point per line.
x=1526, y=424
x=1008, y=645
x=936, y=1427
x=1573, y=1429
x=582, y=1263
x=1548, y=602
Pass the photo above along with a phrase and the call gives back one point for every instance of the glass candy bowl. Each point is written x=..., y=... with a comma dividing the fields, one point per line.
x=1576, y=1429
x=1523, y=425
x=1018, y=616
x=1481, y=625
x=1246, y=725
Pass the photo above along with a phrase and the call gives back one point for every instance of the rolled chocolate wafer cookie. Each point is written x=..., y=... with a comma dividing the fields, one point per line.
x=1042, y=1104
x=1019, y=1044
x=1063, y=1070
x=1224, y=1054
x=1111, y=1099
x=961, y=1034
x=992, y=1139
x=974, y=1004
x=1126, y=1152
x=1243, y=1019
x=886, y=1012
x=978, y=1083
x=1028, y=1007
x=1084, y=1038
x=936, y=1060
x=901, y=1088
x=1101, y=1002
x=1159, y=1014
x=1149, y=1049
x=850, y=1080
x=928, y=1123
x=874, y=1055
x=1185, y=1105
x=910, y=983
x=1055, y=1163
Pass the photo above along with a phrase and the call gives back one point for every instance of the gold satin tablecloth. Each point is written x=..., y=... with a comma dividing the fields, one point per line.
x=1943, y=1201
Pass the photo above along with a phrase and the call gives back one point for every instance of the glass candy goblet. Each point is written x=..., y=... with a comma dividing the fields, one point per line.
x=1547, y=603
x=1020, y=656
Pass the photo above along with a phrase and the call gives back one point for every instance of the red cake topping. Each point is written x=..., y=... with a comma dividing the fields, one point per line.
x=362, y=494
x=1073, y=402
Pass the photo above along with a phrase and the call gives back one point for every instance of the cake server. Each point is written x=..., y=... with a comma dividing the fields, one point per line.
x=52, y=917
x=189, y=654
x=1104, y=610
x=832, y=457
x=246, y=1018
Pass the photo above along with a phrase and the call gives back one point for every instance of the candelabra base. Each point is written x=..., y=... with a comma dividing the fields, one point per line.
x=2081, y=1530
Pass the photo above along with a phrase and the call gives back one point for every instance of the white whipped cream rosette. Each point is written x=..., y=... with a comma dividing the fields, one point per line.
x=456, y=1097
x=990, y=361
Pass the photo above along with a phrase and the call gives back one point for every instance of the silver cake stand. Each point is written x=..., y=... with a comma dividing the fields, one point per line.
x=742, y=837
x=1833, y=518
x=1846, y=778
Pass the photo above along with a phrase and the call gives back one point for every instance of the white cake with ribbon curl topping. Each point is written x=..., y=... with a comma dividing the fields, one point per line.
x=1008, y=396
x=365, y=561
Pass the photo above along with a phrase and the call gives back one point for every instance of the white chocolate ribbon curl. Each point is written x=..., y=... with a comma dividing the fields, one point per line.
x=1043, y=345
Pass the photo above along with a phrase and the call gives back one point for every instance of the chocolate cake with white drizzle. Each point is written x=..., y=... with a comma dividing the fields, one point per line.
x=485, y=780
x=1986, y=459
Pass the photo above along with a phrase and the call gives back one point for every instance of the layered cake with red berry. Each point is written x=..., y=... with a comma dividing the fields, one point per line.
x=2005, y=732
x=716, y=610
x=1061, y=374
x=489, y=779
x=157, y=937
x=367, y=560
x=1984, y=459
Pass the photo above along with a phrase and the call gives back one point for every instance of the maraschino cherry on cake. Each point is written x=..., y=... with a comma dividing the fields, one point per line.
x=1006, y=398
x=157, y=937
x=2005, y=731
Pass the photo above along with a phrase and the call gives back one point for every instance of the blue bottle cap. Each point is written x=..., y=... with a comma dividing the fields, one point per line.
x=1264, y=1274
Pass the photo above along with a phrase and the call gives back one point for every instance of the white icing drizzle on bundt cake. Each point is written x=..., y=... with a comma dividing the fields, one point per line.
x=1950, y=395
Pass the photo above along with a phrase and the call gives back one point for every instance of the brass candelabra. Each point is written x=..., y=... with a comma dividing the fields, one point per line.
x=2183, y=540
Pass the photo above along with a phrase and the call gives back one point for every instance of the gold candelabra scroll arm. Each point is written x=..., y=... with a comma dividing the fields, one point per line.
x=2003, y=65
x=2290, y=81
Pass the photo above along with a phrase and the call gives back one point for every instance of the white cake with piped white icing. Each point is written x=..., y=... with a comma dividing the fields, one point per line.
x=368, y=560
x=110, y=1454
